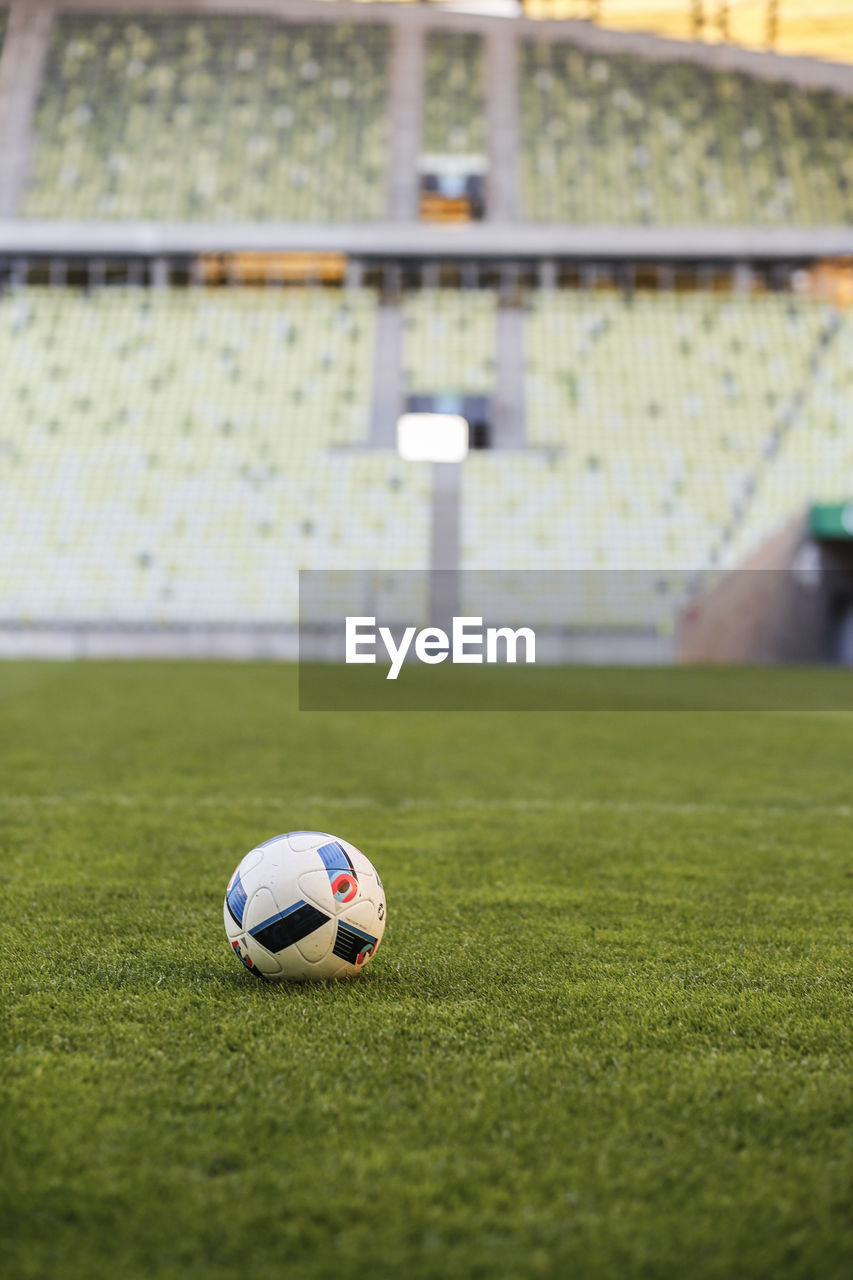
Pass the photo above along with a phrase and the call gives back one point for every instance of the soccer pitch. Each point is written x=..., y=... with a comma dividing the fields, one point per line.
x=608, y=1032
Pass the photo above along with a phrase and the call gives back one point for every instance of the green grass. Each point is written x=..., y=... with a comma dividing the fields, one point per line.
x=608, y=1032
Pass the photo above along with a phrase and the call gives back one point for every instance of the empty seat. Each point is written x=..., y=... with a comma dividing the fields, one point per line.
x=177, y=455
x=668, y=433
x=626, y=139
x=211, y=117
x=449, y=341
x=454, y=94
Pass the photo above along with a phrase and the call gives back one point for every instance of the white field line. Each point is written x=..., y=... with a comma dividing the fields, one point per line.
x=407, y=804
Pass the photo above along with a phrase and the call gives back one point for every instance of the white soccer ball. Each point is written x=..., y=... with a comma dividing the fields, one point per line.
x=304, y=906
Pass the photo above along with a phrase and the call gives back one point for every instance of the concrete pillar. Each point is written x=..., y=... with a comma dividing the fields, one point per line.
x=160, y=273
x=23, y=58
x=444, y=540
x=547, y=274
x=406, y=100
x=354, y=273
x=502, y=106
x=387, y=377
x=445, y=536
x=508, y=406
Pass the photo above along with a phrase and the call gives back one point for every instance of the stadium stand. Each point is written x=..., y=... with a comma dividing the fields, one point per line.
x=211, y=118
x=653, y=415
x=172, y=453
x=204, y=449
x=222, y=118
x=213, y=441
x=454, y=96
x=812, y=459
x=449, y=341
x=621, y=139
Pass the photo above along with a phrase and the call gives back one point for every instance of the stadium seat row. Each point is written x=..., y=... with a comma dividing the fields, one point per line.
x=200, y=453
x=454, y=95
x=219, y=118
x=449, y=341
x=213, y=441
x=214, y=118
x=652, y=423
x=625, y=140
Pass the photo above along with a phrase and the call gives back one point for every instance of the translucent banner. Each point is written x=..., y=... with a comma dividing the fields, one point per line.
x=576, y=640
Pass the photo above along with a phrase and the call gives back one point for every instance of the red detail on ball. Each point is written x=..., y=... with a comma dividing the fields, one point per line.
x=247, y=959
x=344, y=887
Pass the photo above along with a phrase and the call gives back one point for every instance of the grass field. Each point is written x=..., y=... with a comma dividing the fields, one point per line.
x=608, y=1033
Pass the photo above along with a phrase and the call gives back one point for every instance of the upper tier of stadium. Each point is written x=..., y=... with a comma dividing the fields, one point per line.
x=329, y=114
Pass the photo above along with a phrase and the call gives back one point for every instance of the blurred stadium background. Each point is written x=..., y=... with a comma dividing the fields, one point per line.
x=239, y=241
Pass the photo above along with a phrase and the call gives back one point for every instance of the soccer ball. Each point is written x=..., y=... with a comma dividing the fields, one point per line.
x=304, y=906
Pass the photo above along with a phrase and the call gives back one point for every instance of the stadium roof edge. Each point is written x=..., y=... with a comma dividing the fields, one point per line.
x=417, y=240
x=804, y=71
